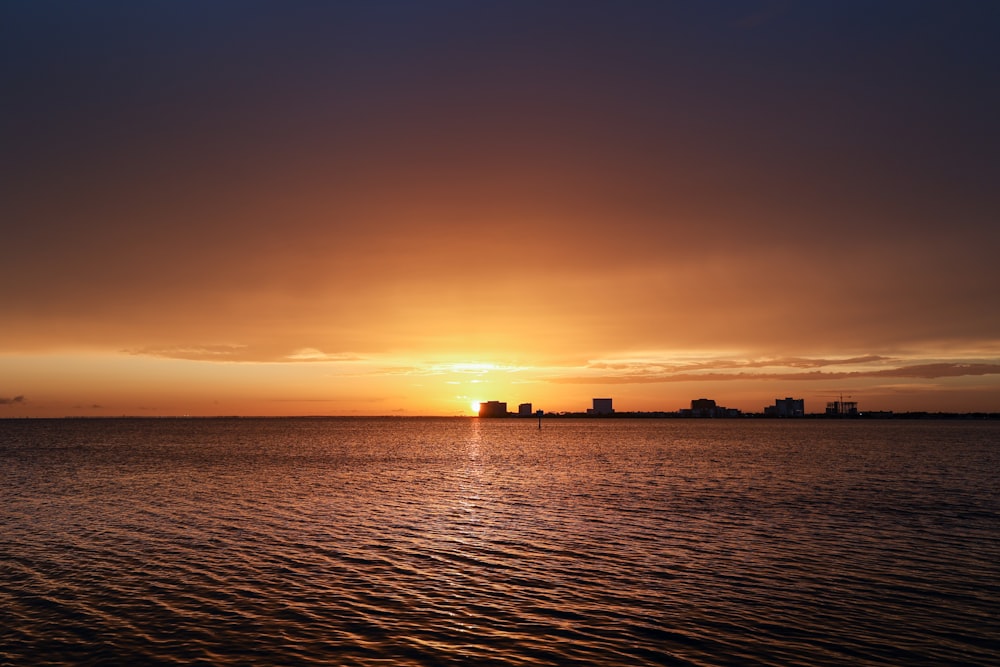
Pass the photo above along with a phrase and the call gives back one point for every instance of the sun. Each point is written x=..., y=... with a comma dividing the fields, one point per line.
x=474, y=405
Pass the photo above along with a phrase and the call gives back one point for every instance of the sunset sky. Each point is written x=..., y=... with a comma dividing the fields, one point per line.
x=285, y=208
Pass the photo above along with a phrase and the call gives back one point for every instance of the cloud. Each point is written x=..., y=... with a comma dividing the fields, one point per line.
x=430, y=369
x=11, y=401
x=240, y=353
x=931, y=371
x=918, y=371
x=651, y=366
x=193, y=352
x=312, y=354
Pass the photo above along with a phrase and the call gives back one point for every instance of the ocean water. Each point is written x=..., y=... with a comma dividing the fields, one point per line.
x=473, y=541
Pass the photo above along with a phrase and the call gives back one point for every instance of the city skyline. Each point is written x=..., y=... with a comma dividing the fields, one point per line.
x=787, y=407
x=379, y=209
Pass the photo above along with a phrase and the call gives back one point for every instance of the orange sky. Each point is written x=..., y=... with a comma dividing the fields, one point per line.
x=385, y=209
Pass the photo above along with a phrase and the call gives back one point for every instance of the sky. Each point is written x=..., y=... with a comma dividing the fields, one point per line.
x=401, y=208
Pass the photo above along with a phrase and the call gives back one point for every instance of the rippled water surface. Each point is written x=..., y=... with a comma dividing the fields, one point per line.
x=468, y=541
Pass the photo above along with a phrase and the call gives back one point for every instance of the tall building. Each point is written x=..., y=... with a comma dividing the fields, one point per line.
x=786, y=407
x=702, y=405
x=493, y=409
x=602, y=406
x=706, y=407
x=524, y=410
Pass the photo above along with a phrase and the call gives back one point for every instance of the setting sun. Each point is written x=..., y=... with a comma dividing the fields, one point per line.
x=474, y=406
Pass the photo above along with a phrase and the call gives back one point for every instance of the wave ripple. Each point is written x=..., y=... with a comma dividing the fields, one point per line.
x=467, y=541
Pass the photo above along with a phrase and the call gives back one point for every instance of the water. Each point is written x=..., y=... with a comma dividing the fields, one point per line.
x=468, y=541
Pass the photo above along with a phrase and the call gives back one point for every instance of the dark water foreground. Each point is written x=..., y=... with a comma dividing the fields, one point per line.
x=465, y=541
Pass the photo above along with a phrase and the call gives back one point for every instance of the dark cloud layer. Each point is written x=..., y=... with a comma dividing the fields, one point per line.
x=922, y=371
x=300, y=182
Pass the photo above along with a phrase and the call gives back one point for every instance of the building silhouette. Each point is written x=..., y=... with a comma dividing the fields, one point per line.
x=602, y=406
x=786, y=407
x=706, y=407
x=702, y=405
x=493, y=409
x=524, y=410
x=842, y=408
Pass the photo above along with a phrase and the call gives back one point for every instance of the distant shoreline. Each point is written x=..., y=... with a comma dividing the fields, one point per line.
x=875, y=416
